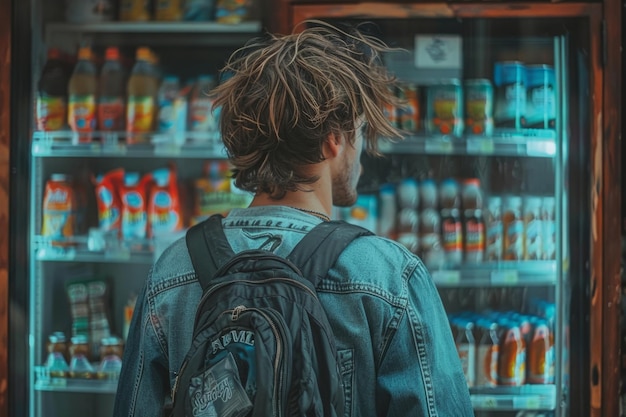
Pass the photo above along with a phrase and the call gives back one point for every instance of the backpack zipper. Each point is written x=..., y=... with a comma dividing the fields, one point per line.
x=223, y=284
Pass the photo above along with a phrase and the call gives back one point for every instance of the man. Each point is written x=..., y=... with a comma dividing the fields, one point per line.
x=296, y=112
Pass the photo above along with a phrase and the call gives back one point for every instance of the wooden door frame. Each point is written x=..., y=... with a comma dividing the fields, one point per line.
x=5, y=135
x=605, y=20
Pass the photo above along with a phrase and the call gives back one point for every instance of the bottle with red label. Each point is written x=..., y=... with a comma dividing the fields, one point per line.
x=512, y=355
x=83, y=88
x=451, y=227
x=51, y=108
x=473, y=224
x=487, y=351
x=59, y=209
x=112, y=88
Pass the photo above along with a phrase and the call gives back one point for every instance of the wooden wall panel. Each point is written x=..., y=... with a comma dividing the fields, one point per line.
x=5, y=74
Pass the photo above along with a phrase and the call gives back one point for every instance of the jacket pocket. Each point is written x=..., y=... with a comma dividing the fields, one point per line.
x=346, y=367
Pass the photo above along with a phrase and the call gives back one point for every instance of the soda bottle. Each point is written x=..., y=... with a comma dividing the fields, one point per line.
x=172, y=107
x=83, y=88
x=51, y=108
x=112, y=88
x=201, y=115
x=487, y=350
x=142, y=93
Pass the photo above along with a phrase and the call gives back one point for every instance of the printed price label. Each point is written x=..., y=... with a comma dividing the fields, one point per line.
x=480, y=146
x=484, y=401
x=504, y=277
x=446, y=277
x=526, y=403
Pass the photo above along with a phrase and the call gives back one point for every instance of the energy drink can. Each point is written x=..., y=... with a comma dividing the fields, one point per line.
x=510, y=106
x=445, y=108
x=479, y=106
x=541, y=97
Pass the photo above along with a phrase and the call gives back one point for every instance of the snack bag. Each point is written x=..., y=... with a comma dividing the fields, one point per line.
x=108, y=199
x=134, y=206
x=164, y=213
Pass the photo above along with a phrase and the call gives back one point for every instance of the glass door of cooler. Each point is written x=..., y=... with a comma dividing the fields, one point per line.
x=496, y=123
x=91, y=241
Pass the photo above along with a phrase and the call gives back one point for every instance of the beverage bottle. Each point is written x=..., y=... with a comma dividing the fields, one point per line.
x=512, y=357
x=51, y=107
x=134, y=10
x=532, y=228
x=142, y=94
x=541, y=354
x=112, y=93
x=80, y=367
x=451, y=227
x=473, y=225
x=513, y=228
x=56, y=363
x=466, y=348
x=388, y=210
x=548, y=223
x=493, y=226
x=487, y=350
x=407, y=221
x=83, y=88
x=201, y=115
x=172, y=109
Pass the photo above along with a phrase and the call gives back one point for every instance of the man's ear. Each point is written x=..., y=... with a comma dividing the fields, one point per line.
x=332, y=145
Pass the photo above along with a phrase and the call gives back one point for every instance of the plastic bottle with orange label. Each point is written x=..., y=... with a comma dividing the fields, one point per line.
x=59, y=203
x=473, y=224
x=112, y=97
x=51, y=108
x=83, y=89
x=466, y=348
x=512, y=356
x=541, y=354
x=487, y=352
x=142, y=96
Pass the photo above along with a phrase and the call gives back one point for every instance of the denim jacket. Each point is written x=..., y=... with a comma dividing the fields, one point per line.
x=396, y=350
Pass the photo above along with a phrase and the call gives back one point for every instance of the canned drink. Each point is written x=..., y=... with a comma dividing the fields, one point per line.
x=510, y=92
x=479, y=107
x=409, y=114
x=445, y=108
x=541, y=97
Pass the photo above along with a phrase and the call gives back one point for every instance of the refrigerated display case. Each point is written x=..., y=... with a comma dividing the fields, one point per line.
x=99, y=202
x=503, y=125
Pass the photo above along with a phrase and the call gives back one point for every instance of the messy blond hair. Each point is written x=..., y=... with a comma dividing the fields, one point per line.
x=284, y=94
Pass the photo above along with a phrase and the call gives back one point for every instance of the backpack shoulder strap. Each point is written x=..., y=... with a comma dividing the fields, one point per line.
x=207, y=259
x=318, y=251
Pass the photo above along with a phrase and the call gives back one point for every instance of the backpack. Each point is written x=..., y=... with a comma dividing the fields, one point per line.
x=262, y=344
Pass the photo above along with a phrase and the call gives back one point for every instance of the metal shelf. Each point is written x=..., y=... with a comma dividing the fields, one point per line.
x=492, y=274
x=44, y=382
x=67, y=144
x=525, y=397
x=504, y=142
x=154, y=27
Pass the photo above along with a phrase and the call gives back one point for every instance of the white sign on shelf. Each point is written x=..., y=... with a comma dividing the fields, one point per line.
x=438, y=51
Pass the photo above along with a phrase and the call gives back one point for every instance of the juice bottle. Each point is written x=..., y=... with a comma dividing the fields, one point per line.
x=473, y=224
x=172, y=109
x=466, y=348
x=532, y=228
x=56, y=363
x=59, y=203
x=142, y=94
x=487, y=350
x=112, y=89
x=541, y=354
x=201, y=115
x=513, y=228
x=451, y=227
x=83, y=87
x=51, y=108
x=512, y=357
